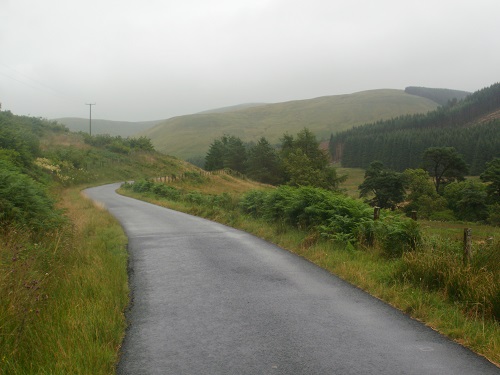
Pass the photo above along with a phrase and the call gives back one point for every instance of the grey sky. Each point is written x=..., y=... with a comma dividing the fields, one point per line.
x=154, y=59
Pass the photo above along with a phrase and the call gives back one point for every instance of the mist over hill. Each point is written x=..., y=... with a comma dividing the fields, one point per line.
x=99, y=126
x=191, y=135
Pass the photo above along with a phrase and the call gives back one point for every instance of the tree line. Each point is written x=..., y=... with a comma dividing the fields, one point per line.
x=297, y=161
x=400, y=142
x=438, y=190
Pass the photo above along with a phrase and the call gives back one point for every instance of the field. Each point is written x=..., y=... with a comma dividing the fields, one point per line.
x=355, y=177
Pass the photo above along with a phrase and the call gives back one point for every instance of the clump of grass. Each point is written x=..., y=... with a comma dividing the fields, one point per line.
x=439, y=266
x=63, y=297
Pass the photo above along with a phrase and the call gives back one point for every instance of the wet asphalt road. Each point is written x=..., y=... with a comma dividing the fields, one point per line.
x=208, y=299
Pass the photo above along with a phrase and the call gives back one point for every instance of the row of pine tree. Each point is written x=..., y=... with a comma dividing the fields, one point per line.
x=400, y=142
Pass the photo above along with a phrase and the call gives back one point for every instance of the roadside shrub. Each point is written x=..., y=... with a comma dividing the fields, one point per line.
x=25, y=202
x=335, y=216
x=142, y=186
x=397, y=235
x=168, y=192
x=119, y=148
x=196, y=198
x=393, y=234
x=224, y=201
x=253, y=203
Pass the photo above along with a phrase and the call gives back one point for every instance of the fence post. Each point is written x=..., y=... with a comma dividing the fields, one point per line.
x=467, y=245
x=376, y=213
x=414, y=215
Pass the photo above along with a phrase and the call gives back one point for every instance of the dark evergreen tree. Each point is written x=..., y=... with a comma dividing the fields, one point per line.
x=263, y=163
x=226, y=152
x=214, y=159
x=235, y=154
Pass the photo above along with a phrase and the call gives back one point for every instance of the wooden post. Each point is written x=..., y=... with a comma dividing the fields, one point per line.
x=414, y=215
x=376, y=213
x=467, y=245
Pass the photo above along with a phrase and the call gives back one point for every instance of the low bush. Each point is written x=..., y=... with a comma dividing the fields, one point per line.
x=397, y=235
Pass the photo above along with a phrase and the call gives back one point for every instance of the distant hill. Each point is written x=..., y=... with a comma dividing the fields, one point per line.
x=471, y=125
x=113, y=128
x=232, y=108
x=440, y=96
x=191, y=135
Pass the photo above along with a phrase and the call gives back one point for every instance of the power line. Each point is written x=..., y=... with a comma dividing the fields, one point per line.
x=33, y=83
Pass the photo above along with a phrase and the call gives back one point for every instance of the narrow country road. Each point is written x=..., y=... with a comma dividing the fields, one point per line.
x=208, y=299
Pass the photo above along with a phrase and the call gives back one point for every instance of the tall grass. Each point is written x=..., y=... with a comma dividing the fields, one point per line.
x=439, y=266
x=63, y=297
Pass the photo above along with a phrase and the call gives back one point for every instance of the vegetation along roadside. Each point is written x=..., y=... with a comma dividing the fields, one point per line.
x=395, y=258
x=63, y=260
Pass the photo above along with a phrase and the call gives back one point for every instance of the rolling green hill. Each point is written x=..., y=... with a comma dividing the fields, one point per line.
x=191, y=135
x=114, y=128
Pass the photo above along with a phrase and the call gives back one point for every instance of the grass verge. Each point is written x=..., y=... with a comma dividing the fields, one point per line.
x=63, y=297
x=365, y=268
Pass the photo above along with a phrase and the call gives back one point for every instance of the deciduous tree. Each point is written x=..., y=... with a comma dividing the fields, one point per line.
x=491, y=175
x=383, y=187
x=445, y=165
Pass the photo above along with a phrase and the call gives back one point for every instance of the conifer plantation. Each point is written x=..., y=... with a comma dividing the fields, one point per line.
x=471, y=126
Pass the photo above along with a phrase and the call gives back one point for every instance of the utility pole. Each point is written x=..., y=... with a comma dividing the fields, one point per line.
x=90, y=118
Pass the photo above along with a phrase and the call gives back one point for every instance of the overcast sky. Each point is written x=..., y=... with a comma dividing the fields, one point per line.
x=154, y=59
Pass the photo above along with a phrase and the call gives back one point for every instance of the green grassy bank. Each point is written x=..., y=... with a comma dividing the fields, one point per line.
x=63, y=297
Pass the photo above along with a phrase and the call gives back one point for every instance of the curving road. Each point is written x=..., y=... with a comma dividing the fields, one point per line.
x=209, y=299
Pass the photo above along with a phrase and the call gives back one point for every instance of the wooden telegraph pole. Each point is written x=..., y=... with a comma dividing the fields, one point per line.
x=90, y=117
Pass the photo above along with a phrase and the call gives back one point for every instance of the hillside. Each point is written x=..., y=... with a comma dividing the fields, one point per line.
x=63, y=259
x=114, y=128
x=191, y=135
x=440, y=96
x=471, y=126
x=232, y=108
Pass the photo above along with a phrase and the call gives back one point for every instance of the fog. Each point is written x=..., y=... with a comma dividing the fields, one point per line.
x=156, y=59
